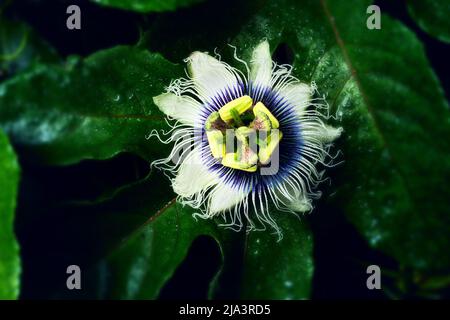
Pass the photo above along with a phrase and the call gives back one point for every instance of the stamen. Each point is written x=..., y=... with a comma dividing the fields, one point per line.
x=241, y=105
x=260, y=107
x=262, y=122
x=243, y=134
x=266, y=149
x=216, y=143
x=245, y=159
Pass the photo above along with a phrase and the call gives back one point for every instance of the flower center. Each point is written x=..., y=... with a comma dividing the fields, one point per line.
x=244, y=135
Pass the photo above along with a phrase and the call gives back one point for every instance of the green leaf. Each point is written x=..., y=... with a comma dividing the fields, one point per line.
x=21, y=48
x=9, y=248
x=57, y=232
x=272, y=269
x=91, y=108
x=393, y=183
x=147, y=259
x=145, y=6
x=179, y=34
x=432, y=17
x=279, y=270
x=130, y=244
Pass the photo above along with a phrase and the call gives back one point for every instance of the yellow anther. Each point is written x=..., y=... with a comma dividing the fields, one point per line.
x=230, y=161
x=243, y=134
x=244, y=131
x=216, y=143
x=272, y=141
x=247, y=155
x=261, y=122
x=239, y=106
x=245, y=159
x=260, y=107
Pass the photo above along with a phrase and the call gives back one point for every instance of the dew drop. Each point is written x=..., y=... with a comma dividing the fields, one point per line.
x=117, y=98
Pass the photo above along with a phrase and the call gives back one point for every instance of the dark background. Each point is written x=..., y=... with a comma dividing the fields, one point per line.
x=341, y=255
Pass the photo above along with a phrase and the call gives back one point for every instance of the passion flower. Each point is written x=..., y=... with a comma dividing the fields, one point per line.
x=244, y=143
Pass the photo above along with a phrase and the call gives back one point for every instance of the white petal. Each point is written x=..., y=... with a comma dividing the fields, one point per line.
x=182, y=108
x=261, y=65
x=211, y=76
x=298, y=95
x=193, y=176
x=224, y=197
